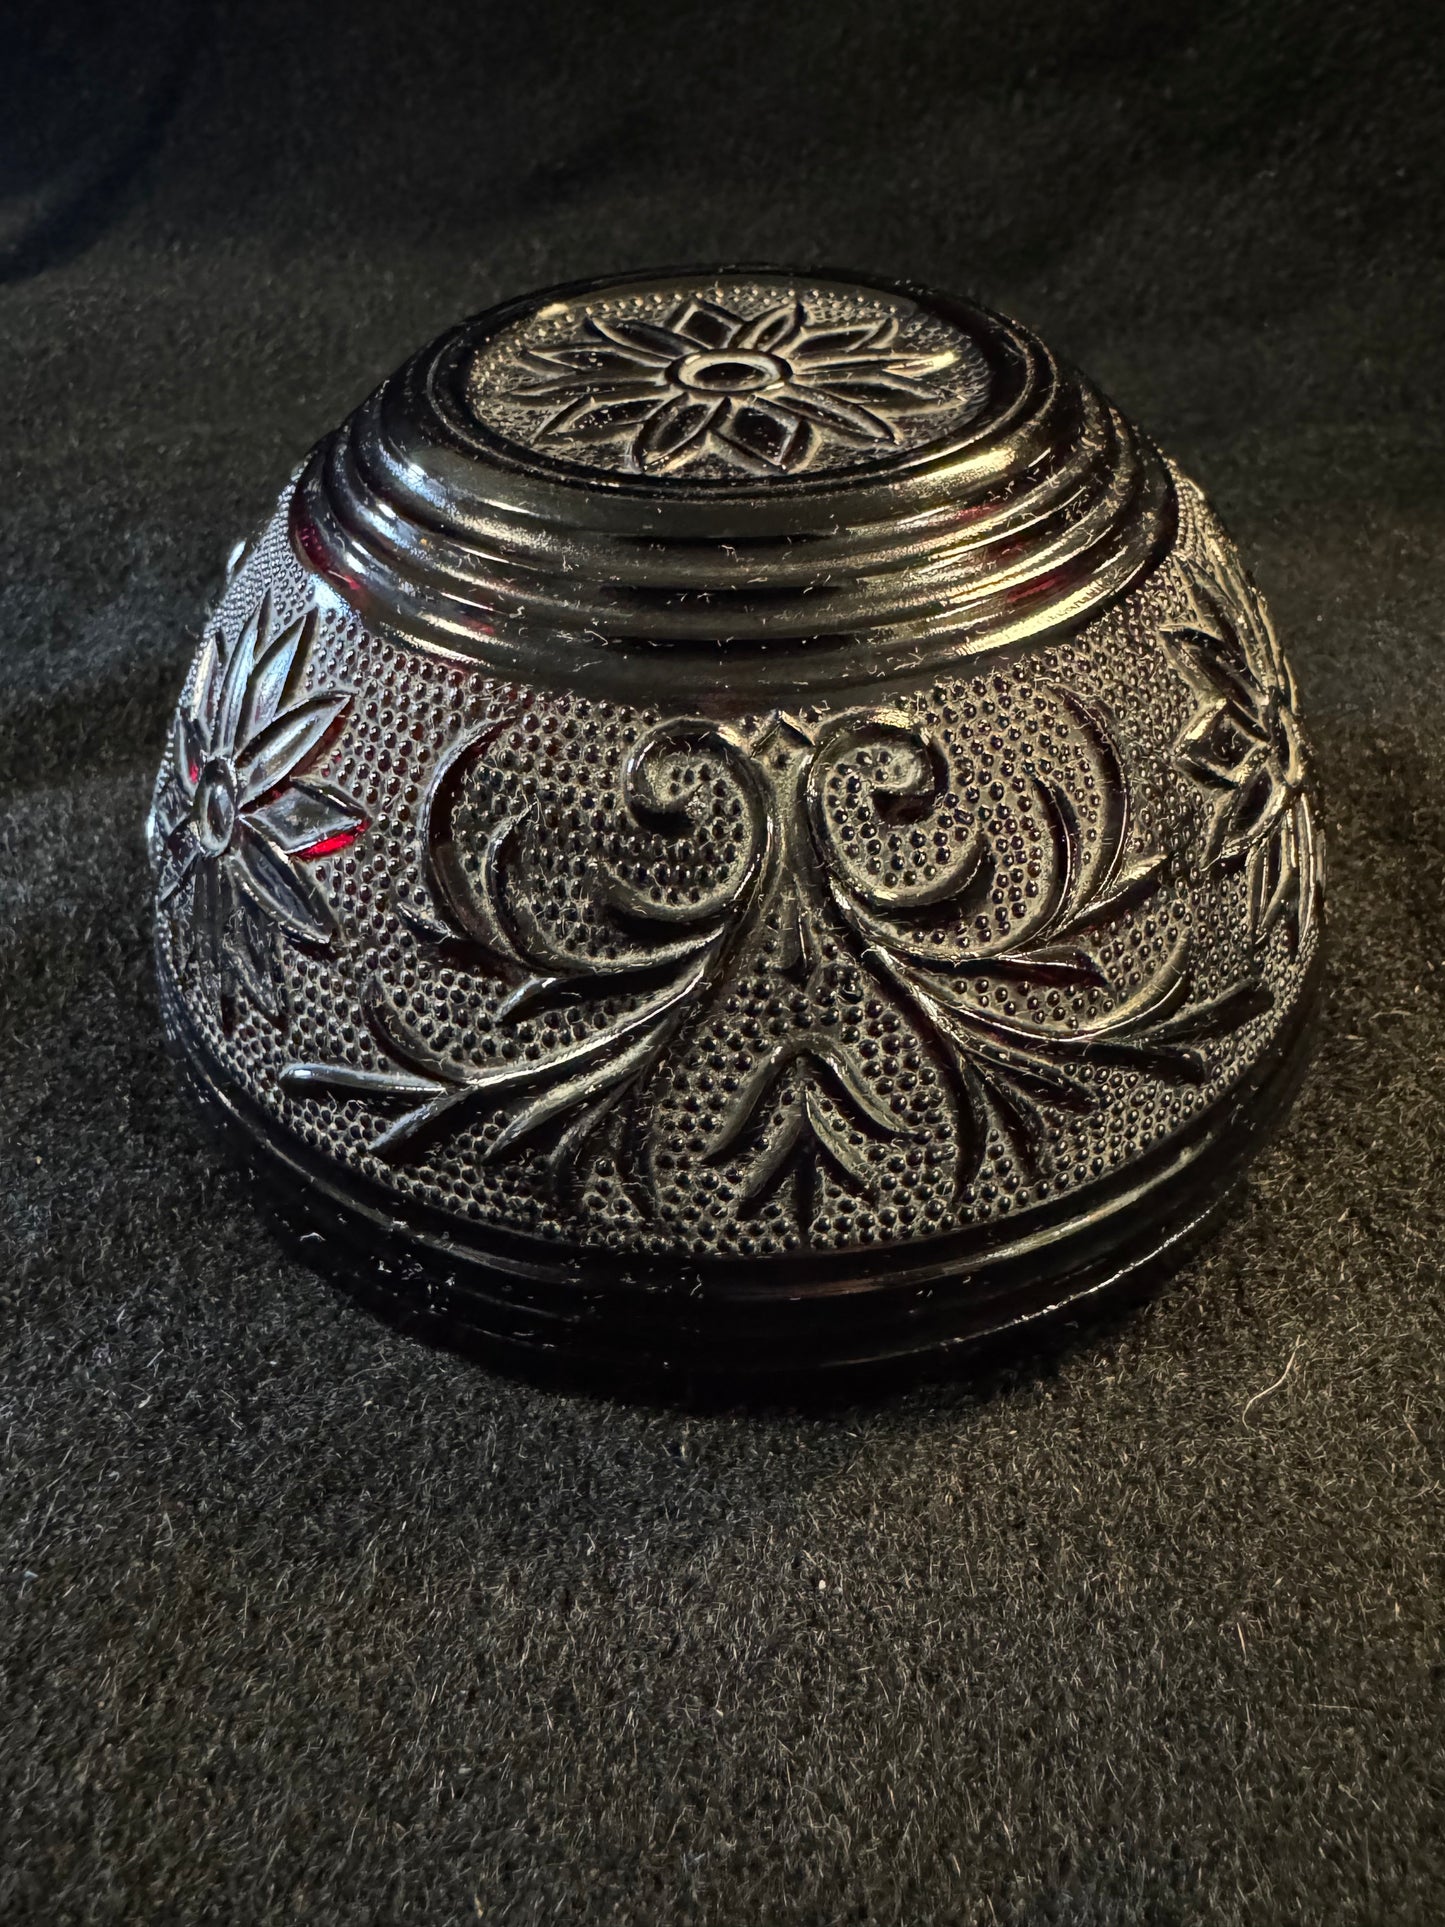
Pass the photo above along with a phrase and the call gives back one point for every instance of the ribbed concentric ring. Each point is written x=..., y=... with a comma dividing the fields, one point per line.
x=1039, y=513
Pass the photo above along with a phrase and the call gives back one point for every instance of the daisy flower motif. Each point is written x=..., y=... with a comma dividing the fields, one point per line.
x=235, y=825
x=1243, y=746
x=762, y=394
x=1242, y=742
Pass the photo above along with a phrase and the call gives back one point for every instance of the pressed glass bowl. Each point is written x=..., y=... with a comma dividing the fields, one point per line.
x=734, y=827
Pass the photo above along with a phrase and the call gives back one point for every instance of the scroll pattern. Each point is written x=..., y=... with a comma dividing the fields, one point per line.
x=800, y=878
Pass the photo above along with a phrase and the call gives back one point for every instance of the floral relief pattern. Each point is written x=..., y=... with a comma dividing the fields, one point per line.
x=236, y=823
x=798, y=884
x=1242, y=744
x=763, y=394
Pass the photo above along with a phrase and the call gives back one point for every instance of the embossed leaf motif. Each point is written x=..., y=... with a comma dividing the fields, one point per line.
x=1242, y=744
x=1006, y=1068
x=235, y=824
x=686, y=944
x=761, y=393
x=800, y=887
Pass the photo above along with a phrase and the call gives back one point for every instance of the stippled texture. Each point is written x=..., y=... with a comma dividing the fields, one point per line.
x=301, y=1621
x=1051, y=761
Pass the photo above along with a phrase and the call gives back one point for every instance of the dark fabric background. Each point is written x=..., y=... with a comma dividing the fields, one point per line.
x=302, y=1621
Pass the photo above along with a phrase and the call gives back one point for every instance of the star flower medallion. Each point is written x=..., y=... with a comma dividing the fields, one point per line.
x=235, y=823
x=1242, y=743
x=762, y=394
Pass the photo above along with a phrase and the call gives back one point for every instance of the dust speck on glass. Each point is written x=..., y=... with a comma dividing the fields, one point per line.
x=731, y=382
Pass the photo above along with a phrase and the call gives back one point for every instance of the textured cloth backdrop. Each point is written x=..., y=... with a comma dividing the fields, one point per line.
x=301, y=1620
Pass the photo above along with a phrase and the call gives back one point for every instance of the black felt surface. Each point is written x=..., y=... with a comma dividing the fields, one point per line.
x=301, y=1621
